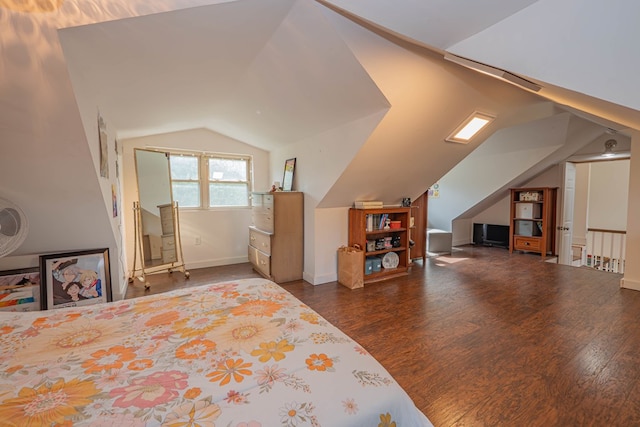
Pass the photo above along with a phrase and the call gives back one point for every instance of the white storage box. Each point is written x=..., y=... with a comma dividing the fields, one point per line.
x=528, y=210
x=524, y=228
x=439, y=241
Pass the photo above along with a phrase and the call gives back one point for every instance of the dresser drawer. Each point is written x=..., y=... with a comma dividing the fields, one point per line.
x=260, y=240
x=262, y=201
x=263, y=221
x=526, y=243
x=261, y=261
x=169, y=255
x=166, y=218
x=168, y=242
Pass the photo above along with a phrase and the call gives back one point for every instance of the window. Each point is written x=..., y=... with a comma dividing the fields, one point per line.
x=208, y=180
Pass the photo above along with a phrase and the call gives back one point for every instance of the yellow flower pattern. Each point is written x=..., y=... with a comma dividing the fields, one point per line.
x=48, y=404
x=273, y=350
x=244, y=354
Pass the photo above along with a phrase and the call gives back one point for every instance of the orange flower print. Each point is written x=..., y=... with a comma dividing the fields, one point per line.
x=156, y=304
x=257, y=308
x=385, y=421
x=113, y=358
x=310, y=317
x=195, y=349
x=140, y=365
x=49, y=403
x=246, y=333
x=272, y=349
x=192, y=393
x=13, y=369
x=224, y=287
x=53, y=321
x=230, y=368
x=236, y=398
x=199, y=324
x=231, y=295
x=6, y=329
x=201, y=413
x=162, y=319
x=319, y=362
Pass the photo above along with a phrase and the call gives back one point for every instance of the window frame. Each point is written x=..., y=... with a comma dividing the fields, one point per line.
x=204, y=181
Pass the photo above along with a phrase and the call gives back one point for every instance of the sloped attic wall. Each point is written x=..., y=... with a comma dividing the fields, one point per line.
x=508, y=158
x=406, y=151
x=48, y=165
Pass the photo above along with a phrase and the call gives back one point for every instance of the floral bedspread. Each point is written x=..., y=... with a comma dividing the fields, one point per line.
x=241, y=354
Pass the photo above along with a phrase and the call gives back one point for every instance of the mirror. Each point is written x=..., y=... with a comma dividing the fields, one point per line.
x=155, y=213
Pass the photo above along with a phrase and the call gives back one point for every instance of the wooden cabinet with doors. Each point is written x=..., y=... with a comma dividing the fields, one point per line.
x=387, y=248
x=276, y=236
x=533, y=220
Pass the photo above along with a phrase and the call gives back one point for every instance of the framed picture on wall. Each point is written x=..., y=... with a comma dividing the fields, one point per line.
x=287, y=179
x=75, y=279
x=20, y=290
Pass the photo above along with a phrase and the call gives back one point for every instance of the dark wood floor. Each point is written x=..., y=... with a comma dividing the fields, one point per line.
x=485, y=338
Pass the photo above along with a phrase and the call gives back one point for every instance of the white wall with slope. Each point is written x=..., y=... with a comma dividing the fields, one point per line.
x=508, y=158
x=583, y=46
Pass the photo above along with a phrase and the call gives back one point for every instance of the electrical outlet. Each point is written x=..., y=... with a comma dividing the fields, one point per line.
x=198, y=240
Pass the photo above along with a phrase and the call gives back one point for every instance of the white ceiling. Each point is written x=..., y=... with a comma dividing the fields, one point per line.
x=270, y=73
x=263, y=77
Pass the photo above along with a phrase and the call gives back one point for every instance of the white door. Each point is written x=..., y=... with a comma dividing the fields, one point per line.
x=565, y=229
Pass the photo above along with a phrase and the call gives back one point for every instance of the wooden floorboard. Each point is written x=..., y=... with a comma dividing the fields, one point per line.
x=486, y=338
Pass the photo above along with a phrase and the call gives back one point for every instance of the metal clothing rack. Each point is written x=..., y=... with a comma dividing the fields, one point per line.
x=140, y=272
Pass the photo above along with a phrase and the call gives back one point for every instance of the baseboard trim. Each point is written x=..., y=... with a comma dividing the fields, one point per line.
x=319, y=280
x=630, y=284
x=215, y=262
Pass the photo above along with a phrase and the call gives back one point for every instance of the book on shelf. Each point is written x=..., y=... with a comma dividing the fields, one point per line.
x=367, y=204
x=376, y=222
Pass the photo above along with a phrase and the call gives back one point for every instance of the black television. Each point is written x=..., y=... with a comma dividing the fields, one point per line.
x=491, y=235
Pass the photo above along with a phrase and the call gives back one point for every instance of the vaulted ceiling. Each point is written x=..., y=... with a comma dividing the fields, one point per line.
x=271, y=73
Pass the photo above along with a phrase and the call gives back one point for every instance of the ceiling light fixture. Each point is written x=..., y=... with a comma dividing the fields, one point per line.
x=609, y=145
x=470, y=127
x=493, y=72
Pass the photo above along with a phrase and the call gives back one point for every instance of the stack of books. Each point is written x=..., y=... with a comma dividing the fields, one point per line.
x=367, y=204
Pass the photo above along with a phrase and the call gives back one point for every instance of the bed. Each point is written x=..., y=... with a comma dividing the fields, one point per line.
x=241, y=353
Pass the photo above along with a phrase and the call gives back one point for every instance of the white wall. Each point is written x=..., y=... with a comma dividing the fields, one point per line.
x=631, y=278
x=318, y=165
x=608, y=193
x=502, y=158
x=223, y=231
x=587, y=38
x=581, y=204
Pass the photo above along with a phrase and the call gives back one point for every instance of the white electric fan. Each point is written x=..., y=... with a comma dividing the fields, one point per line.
x=13, y=227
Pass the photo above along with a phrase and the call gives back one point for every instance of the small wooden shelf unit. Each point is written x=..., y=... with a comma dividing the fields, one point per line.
x=533, y=220
x=359, y=234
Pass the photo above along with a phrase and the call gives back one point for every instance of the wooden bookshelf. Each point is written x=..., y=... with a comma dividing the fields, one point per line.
x=365, y=226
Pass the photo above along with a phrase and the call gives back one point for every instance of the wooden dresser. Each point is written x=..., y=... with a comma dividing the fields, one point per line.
x=276, y=236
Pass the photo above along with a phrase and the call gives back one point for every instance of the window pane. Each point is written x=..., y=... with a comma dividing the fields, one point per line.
x=227, y=169
x=223, y=194
x=184, y=167
x=187, y=194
